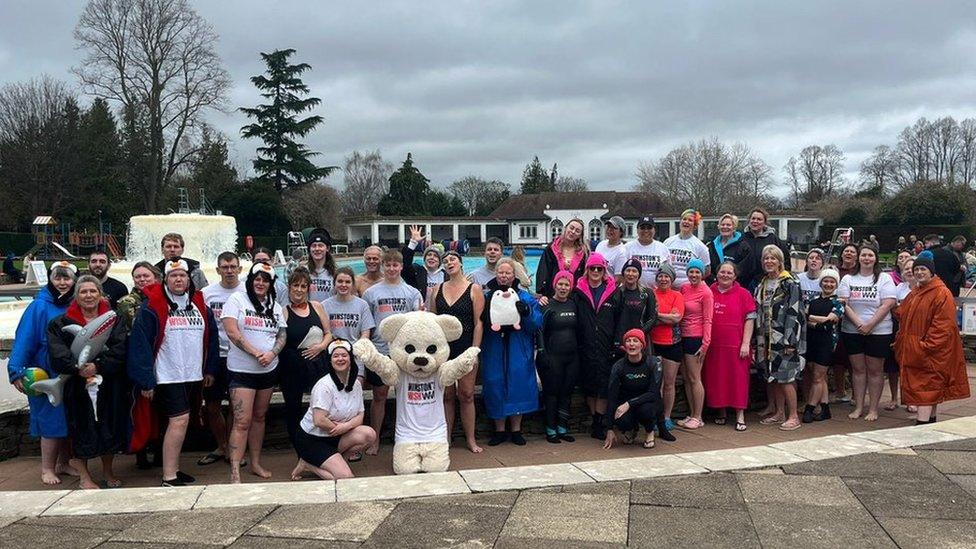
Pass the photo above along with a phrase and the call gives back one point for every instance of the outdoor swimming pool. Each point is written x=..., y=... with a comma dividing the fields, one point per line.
x=470, y=264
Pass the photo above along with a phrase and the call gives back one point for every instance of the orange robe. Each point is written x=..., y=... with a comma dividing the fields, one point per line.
x=928, y=347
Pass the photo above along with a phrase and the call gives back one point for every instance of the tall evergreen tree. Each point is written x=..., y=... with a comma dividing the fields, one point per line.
x=102, y=186
x=283, y=160
x=408, y=191
x=535, y=179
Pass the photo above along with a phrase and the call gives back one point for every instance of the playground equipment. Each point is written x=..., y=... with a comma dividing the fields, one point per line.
x=57, y=241
x=841, y=237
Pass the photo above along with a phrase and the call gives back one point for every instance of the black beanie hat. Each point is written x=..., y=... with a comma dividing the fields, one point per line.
x=632, y=262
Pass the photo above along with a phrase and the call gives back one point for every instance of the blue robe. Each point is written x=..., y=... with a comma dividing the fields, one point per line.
x=30, y=351
x=508, y=365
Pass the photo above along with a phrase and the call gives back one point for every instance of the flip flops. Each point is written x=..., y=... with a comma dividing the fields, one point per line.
x=212, y=457
x=740, y=426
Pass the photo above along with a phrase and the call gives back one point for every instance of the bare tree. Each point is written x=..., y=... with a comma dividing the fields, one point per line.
x=915, y=153
x=315, y=204
x=570, y=184
x=156, y=57
x=816, y=173
x=366, y=180
x=967, y=152
x=880, y=170
x=945, y=149
x=478, y=195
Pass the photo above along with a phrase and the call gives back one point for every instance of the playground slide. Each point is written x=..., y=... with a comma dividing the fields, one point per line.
x=63, y=250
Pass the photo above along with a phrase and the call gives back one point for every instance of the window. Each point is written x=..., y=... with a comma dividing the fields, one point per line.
x=556, y=228
x=528, y=232
x=629, y=231
x=596, y=230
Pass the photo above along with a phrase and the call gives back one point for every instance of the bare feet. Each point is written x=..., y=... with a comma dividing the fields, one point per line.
x=259, y=471
x=296, y=473
x=473, y=446
x=50, y=478
x=65, y=469
x=872, y=416
x=855, y=414
x=891, y=406
x=235, y=474
x=373, y=450
x=113, y=482
x=88, y=484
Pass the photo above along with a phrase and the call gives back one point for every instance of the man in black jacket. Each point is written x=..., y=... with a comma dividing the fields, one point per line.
x=947, y=265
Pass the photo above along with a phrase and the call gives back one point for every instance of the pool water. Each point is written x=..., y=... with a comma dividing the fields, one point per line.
x=470, y=264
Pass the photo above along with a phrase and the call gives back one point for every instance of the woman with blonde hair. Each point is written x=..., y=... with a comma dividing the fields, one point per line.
x=685, y=246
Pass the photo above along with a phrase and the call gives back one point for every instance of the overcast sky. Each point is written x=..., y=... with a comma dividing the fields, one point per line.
x=478, y=88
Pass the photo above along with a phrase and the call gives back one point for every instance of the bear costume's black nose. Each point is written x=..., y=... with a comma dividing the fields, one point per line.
x=420, y=361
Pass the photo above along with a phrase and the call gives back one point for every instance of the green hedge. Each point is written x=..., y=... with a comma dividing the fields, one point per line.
x=19, y=243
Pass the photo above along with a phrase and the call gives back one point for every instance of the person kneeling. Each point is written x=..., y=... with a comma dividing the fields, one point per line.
x=333, y=425
x=634, y=394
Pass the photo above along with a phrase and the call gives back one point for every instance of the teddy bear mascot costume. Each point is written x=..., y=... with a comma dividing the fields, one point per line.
x=419, y=370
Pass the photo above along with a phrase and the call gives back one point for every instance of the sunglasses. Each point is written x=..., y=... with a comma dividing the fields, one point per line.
x=597, y=269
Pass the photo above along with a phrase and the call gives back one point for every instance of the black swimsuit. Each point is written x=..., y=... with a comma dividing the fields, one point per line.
x=463, y=310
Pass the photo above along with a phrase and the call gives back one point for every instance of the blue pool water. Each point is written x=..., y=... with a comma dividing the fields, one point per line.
x=470, y=264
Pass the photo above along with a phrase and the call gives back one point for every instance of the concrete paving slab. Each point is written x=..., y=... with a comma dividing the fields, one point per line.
x=769, y=471
x=639, y=467
x=402, y=486
x=618, y=488
x=258, y=542
x=26, y=504
x=114, y=522
x=205, y=526
x=568, y=518
x=951, y=462
x=913, y=498
x=966, y=482
x=796, y=490
x=867, y=465
x=352, y=521
x=126, y=500
x=25, y=536
x=964, y=426
x=4, y=521
x=899, y=452
x=911, y=533
x=964, y=445
x=424, y=524
x=129, y=545
x=811, y=527
x=904, y=437
x=712, y=491
x=267, y=493
x=669, y=527
x=489, y=499
x=832, y=446
x=519, y=478
x=742, y=458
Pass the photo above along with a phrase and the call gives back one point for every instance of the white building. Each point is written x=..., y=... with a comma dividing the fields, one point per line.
x=536, y=219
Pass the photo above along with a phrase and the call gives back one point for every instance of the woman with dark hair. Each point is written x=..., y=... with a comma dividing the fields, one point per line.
x=896, y=274
x=841, y=359
x=465, y=301
x=302, y=363
x=263, y=255
x=868, y=296
x=333, y=425
x=928, y=345
x=96, y=396
x=321, y=265
x=685, y=246
x=31, y=351
x=756, y=238
x=256, y=328
x=778, y=327
x=567, y=252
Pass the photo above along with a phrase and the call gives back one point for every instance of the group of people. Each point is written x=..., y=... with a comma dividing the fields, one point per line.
x=620, y=322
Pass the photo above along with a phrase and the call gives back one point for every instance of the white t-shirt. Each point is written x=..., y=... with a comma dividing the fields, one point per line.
x=259, y=331
x=215, y=295
x=682, y=251
x=651, y=257
x=340, y=405
x=864, y=297
x=420, y=410
x=180, y=356
x=809, y=288
x=901, y=291
x=482, y=275
x=615, y=256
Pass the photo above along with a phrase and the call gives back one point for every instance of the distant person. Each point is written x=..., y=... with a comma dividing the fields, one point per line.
x=143, y=274
x=372, y=261
x=297, y=258
x=417, y=275
x=98, y=266
x=759, y=235
x=728, y=245
x=30, y=350
x=321, y=265
x=566, y=252
x=902, y=245
x=172, y=246
x=15, y=275
x=685, y=247
x=650, y=252
x=486, y=273
x=947, y=265
x=958, y=249
x=613, y=248
x=521, y=268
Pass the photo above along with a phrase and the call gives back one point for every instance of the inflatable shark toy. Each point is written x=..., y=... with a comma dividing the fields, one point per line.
x=88, y=343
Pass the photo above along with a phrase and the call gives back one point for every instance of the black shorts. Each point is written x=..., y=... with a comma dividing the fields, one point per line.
x=258, y=382
x=315, y=450
x=820, y=348
x=690, y=345
x=670, y=352
x=874, y=345
x=218, y=391
x=174, y=398
x=372, y=377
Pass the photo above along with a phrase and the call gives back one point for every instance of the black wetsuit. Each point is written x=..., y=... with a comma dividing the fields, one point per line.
x=638, y=309
x=558, y=361
x=640, y=385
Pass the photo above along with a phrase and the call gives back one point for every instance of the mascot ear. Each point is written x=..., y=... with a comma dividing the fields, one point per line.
x=451, y=326
x=391, y=325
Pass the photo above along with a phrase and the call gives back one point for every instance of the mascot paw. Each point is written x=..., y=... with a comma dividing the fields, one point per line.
x=365, y=351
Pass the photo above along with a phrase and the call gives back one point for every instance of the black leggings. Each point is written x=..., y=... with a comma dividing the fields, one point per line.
x=292, y=390
x=646, y=415
x=558, y=372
